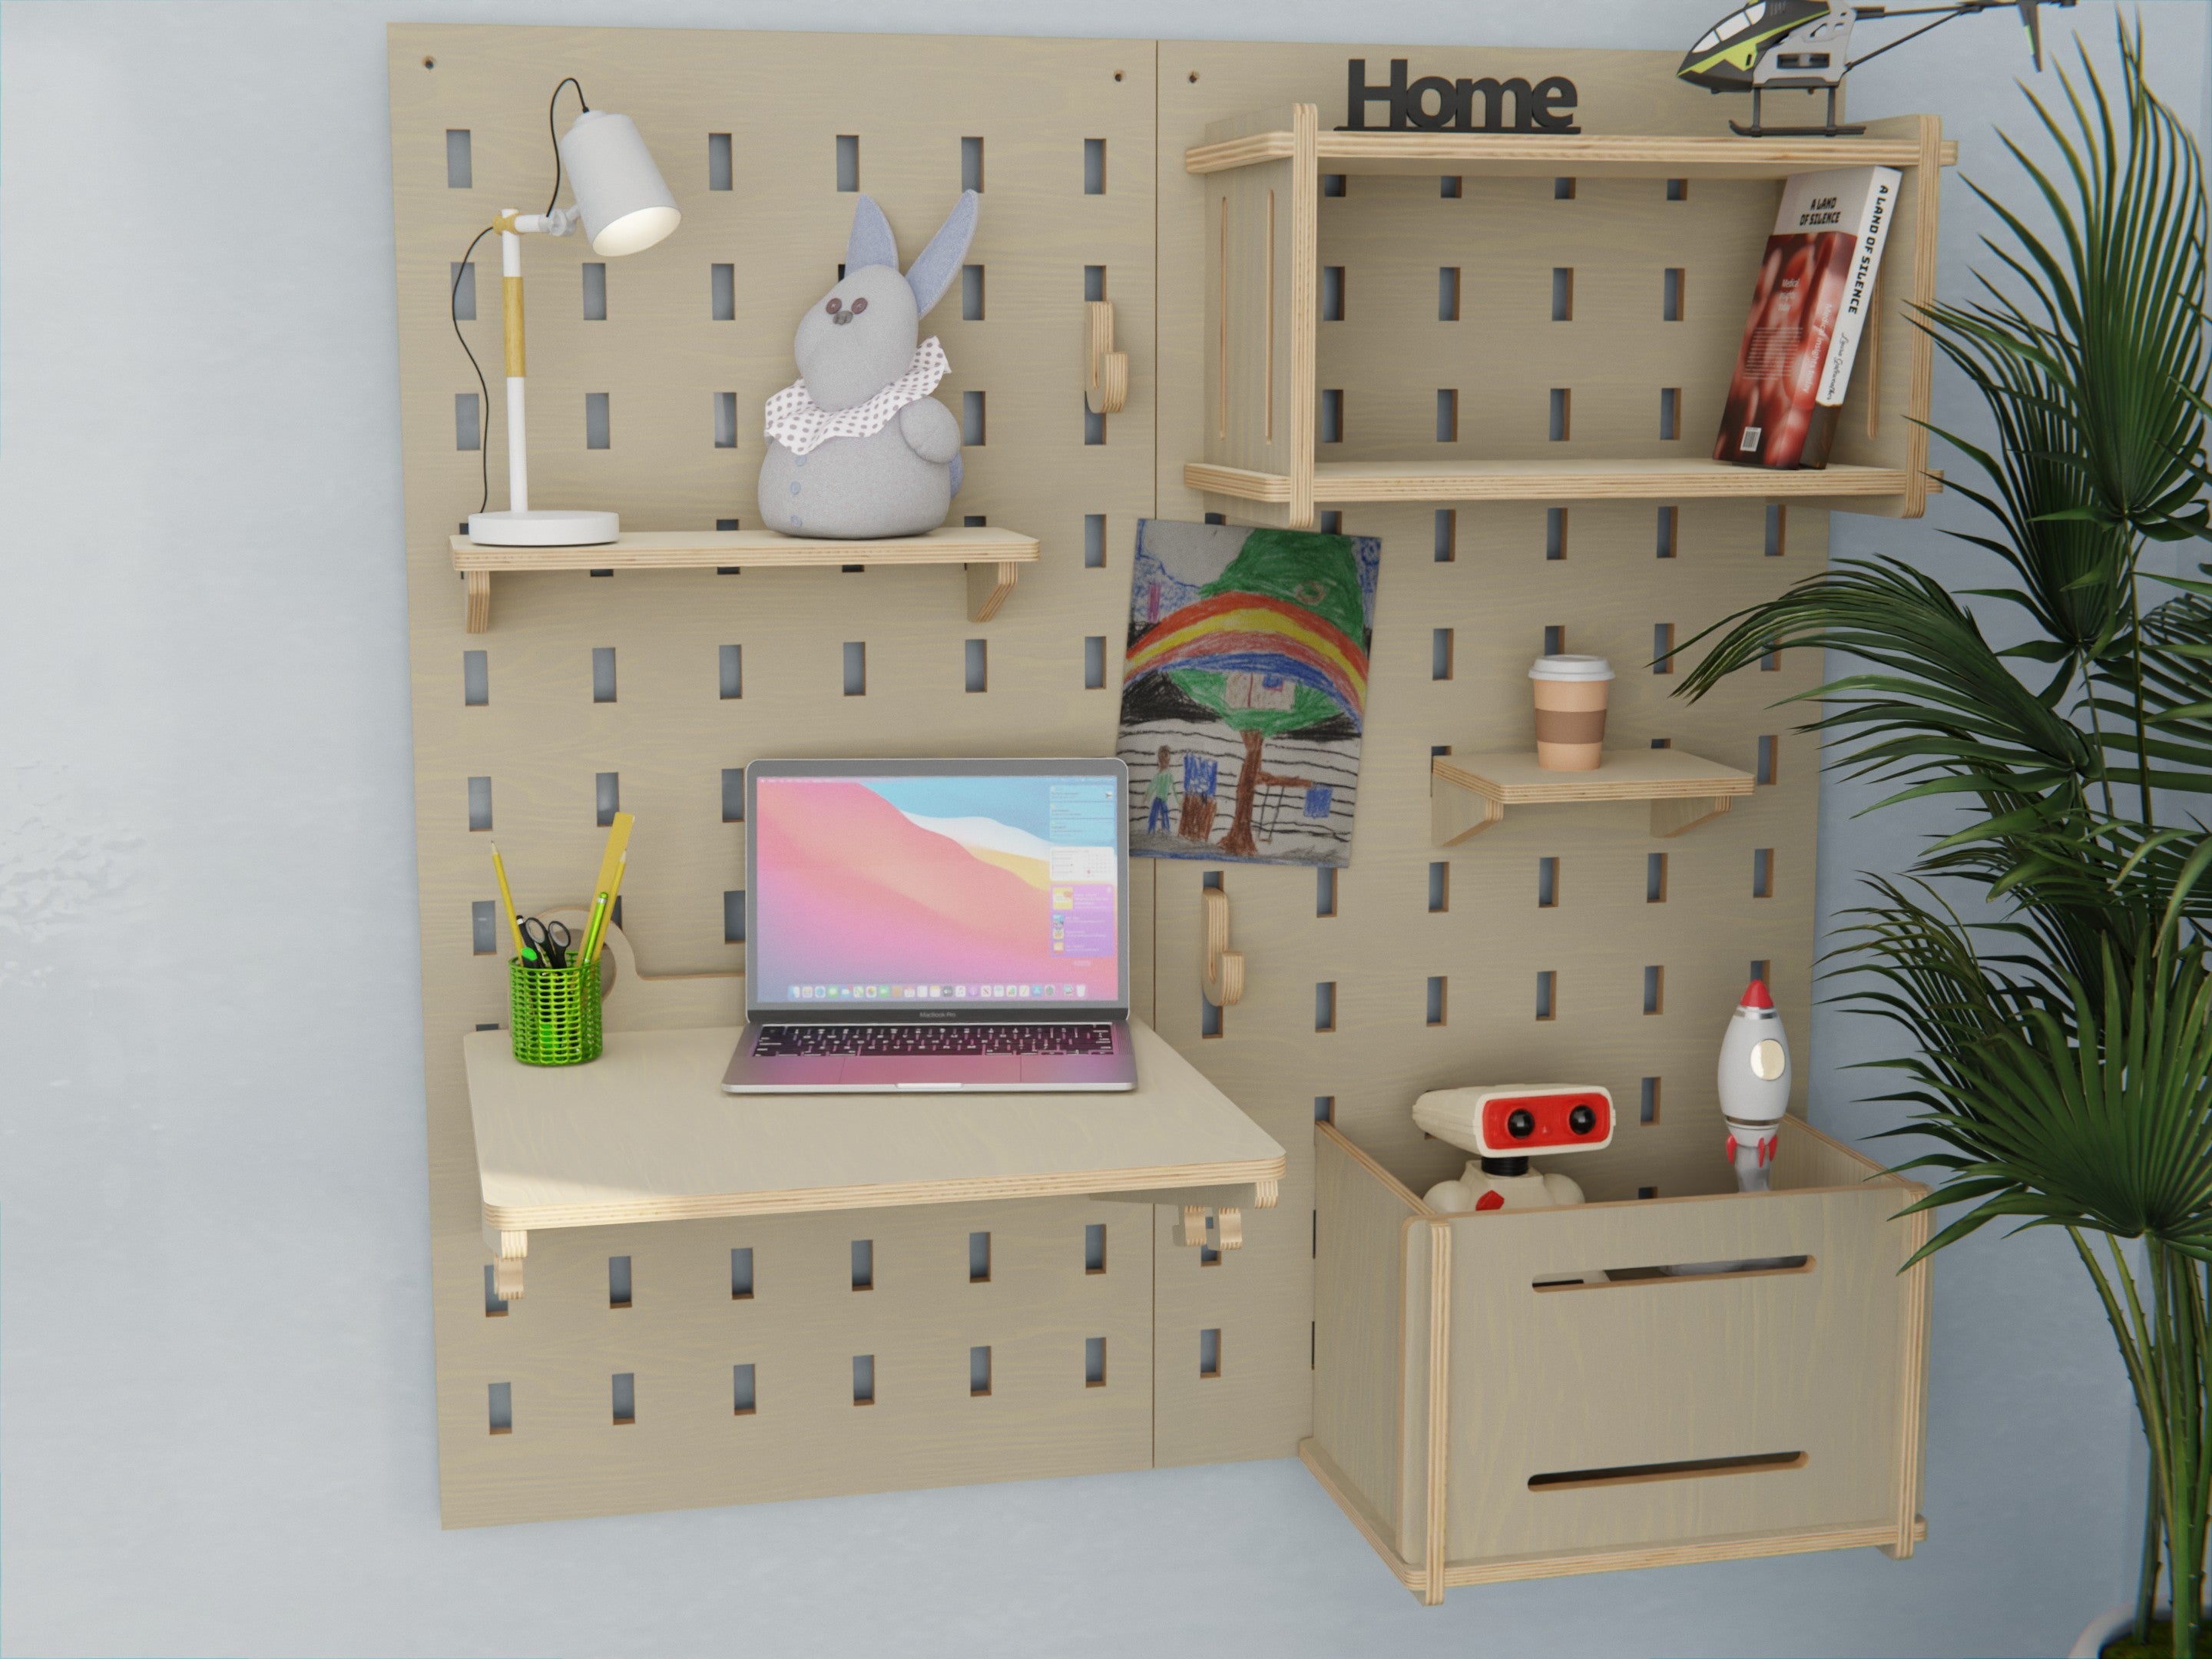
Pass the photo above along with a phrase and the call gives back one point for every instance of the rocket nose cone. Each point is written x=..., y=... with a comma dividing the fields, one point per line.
x=1755, y=995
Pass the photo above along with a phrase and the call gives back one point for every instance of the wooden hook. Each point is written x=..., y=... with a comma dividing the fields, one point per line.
x=1108, y=388
x=1224, y=968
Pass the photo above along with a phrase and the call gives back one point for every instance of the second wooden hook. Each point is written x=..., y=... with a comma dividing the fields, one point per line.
x=1107, y=391
x=1224, y=968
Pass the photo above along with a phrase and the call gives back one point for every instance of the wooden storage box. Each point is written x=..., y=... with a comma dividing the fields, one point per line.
x=1478, y=1423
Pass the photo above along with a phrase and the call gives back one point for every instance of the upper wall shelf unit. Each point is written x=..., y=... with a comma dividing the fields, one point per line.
x=1265, y=427
x=994, y=558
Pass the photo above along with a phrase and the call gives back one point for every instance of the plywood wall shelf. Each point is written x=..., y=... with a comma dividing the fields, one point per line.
x=994, y=558
x=1479, y=1418
x=1281, y=437
x=646, y=1134
x=1469, y=793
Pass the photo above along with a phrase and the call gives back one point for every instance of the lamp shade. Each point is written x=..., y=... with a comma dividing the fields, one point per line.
x=624, y=201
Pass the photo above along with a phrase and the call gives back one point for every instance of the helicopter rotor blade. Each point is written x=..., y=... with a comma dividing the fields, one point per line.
x=2035, y=31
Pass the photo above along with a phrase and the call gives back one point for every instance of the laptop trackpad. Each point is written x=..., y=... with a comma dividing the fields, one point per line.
x=890, y=1072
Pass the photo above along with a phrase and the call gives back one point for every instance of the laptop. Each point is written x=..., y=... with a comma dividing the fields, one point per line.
x=935, y=925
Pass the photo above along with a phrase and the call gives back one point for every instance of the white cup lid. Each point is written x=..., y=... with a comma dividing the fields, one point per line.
x=1570, y=668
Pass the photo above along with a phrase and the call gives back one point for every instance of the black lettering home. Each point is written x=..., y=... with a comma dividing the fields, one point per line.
x=1433, y=104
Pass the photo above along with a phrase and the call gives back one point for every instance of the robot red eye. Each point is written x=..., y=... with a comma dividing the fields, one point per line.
x=1532, y=1121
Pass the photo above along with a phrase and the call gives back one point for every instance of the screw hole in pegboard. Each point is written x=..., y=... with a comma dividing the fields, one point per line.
x=432, y=63
x=1193, y=77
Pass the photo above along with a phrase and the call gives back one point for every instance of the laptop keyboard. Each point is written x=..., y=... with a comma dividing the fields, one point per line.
x=781, y=1042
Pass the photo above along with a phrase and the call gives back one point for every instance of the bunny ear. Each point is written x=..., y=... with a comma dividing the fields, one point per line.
x=870, y=242
x=939, y=262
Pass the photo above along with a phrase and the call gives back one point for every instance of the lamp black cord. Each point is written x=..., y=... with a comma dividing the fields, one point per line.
x=453, y=298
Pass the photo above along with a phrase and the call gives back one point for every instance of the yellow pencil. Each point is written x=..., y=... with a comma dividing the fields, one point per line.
x=618, y=844
x=507, y=898
x=606, y=914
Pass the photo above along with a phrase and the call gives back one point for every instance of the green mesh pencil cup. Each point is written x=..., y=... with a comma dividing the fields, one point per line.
x=556, y=1013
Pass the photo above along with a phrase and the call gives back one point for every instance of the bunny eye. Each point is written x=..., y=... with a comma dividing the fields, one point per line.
x=858, y=306
x=836, y=305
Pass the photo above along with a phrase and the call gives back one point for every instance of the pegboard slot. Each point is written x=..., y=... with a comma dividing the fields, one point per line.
x=502, y=1401
x=745, y=1395
x=718, y=161
x=741, y=1274
x=848, y=167
x=979, y=1373
x=864, y=1379
x=595, y=291
x=1094, y=1248
x=1094, y=1362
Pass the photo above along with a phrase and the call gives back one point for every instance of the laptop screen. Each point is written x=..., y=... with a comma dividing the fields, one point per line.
x=884, y=891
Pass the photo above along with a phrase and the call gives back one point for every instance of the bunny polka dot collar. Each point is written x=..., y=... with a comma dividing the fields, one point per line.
x=802, y=426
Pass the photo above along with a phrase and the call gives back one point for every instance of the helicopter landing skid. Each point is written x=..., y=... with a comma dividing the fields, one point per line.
x=1758, y=129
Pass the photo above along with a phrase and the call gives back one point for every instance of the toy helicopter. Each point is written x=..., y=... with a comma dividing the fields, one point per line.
x=1803, y=46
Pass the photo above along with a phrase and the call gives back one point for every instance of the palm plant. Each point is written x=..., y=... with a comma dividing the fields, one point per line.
x=2063, y=1039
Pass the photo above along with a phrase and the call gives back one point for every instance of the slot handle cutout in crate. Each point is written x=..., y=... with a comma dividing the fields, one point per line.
x=1469, y=793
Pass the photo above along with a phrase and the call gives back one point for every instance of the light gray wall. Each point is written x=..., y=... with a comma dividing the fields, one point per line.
x=215, y=1331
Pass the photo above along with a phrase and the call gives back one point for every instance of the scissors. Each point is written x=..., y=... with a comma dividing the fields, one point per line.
x=547, y=941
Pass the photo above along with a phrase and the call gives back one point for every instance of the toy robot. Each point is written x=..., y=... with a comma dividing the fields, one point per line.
x=1754, y=1086
x=1502, y=1124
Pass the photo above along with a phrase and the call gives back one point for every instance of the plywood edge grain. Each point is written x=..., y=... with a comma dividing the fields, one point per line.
x=1629, y=479
x=1210, y=478
x=1533, y=156
x=1369, y=1525
x=1735, y=1546
x=1359, y=1155
x=683, y=549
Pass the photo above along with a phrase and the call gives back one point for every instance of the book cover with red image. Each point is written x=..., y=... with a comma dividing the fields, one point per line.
x=1809, y=309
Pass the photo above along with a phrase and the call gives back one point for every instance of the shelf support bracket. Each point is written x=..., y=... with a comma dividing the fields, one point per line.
x=1224, y=968
x=479, y=594
x=1678, y=817
x=1457, y=814
x=1107, y=392
x=1218, y=1230
x=989, y=586
x=509, y=1250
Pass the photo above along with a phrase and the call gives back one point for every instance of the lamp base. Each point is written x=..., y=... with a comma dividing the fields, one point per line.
x=543, y=527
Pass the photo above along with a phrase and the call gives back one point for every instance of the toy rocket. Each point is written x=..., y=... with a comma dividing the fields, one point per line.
x=1754, y=1086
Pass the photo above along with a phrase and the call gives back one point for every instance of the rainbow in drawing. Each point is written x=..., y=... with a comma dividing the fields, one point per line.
x=1256, y=634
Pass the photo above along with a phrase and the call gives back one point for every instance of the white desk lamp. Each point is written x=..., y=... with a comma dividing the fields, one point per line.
x=625, y=207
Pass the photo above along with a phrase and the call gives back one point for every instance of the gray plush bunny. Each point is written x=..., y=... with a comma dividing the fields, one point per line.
x=858, y=448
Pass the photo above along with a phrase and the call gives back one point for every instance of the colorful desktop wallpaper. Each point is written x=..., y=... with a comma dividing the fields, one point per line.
x=942, y=889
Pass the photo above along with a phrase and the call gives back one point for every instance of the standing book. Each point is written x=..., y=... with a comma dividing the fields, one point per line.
x=1808, y=312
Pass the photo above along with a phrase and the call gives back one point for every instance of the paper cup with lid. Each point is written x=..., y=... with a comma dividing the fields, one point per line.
x=1570, y=698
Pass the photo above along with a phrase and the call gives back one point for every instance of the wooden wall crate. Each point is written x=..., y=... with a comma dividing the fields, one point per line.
x=1482, y=1412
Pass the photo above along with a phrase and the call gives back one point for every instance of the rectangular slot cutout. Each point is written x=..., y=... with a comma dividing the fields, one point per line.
x=979, y=1258
x=979, y=1373
x=476, y=679
x=726, y=420
x=1633, y=1474
x=1332, y=294
x=971, y=165
x=1548, y=993
x=1094, y=662
x=1325, y=1004
x=595, y=289
x=1447, y=535
x=1662, y=647
x=1449, y=185
x=732, y=666
x=1209, y=1017
x=1209, y=1352
x=1555, y=532
x=1762, y=872
x=972, y=293
x=1439, y=988
x=1447, y=416
x=1094, y=541
x=1208, y=1256
x=502, y=1401
x=483, y=927
x=1770, y=660
x=479, y=803
x=460, y=167
x=1440, y=653
x=1439, y=887
x=1448, y=294
x=1563, y=190
x=1094, y=1362
x=864, y=1264
x=722, y=292
x=1655, y=877
x=1562, y=294
x=1670, y=293
x=1769, y=761
x=972, y=429
x=856, y=668
x=849, y=169
x=1094, y=425
x=1547, y=883
x=1562, y=399
x=625, y=1398
x=1669, y=522
x=468, y=421
x=1094, y=166
x=733, y=916
x=1094, y=1246
x=461, y=281
x=1678, y=190
x=1332, y=415
x=718, y=161
x=864, y=1379
x=1760, y=965
x=1094, y=282
x=494, y=1307
x=618, y=1281
x=1332, y=522
x=741, y=1274
x=1555, y=639
x=1324, y=1109
x=598, y=433
x=1325, y=890
x=1777, y=529
x=1670, y=413
x=1332, y=184
x=744, y=1401
x=606, y=793
x=1647, y=1101
x=976, y=671
x=1654, y=990
x=603, y=673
